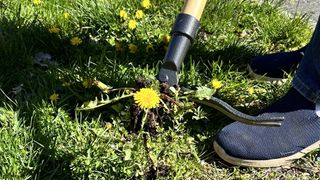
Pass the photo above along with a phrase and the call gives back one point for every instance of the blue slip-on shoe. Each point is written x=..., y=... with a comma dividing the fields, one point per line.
x=260, y=146
x=274, y=67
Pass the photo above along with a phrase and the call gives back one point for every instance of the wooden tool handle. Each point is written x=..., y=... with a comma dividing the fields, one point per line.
x=194, y=8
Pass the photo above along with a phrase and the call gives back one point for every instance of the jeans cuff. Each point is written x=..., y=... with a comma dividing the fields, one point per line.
x=310, y=94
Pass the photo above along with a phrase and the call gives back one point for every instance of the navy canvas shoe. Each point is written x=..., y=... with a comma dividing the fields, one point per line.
x=258, y=146
x=274, y=67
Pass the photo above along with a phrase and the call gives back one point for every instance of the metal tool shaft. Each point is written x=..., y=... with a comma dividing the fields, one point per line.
x=183, y=32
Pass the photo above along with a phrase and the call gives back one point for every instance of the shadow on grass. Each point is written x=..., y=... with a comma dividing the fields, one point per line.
x=19, y=43
x=27, y=84
x=233, y=54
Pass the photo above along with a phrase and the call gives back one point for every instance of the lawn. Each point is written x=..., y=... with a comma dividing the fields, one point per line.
x=70, y=68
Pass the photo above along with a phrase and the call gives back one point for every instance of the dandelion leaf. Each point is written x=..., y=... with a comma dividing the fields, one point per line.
x=204, y=93
x=127, y=154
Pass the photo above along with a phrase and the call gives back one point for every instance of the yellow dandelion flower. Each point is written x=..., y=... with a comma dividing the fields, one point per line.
x=75, y=41
x=108, y=125
x=133, y=48
x=36, y=2
x=132, y=24
x=87, y=83
x=123, y=14
x=66, y=15
x=139, y=14
x=147, y=98
x=166, y=39
x=216, y=84
x=146, y=4
x=251, y=90
x=54, y=97
x=54, y=30
x=149, y=48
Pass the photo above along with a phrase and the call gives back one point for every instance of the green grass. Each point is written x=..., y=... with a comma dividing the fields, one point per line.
x=42, y=139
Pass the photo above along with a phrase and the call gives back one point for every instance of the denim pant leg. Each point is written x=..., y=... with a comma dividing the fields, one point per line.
x=307, y=79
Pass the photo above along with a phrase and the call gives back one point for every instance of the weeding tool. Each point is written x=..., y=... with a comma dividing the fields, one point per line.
x=183, y=32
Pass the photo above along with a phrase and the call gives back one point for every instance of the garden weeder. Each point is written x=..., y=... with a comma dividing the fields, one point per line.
x=183, y=32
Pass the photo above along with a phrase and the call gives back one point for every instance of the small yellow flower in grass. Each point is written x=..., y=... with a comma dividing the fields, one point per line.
x=132, y=24
x=123, y=14
x=147, y=98
x=251, y=90
x=36, y=2
x=216, y=84
x=54, y=97
x=146, y=4
x=133, y=48
x=54, y=30
x=139, y=14
x=108, y=125
x=166, y=38
x=75, y=41
x=66, y=15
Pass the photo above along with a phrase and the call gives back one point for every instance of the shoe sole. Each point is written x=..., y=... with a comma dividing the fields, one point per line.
x=277, y=81
x=263, y=163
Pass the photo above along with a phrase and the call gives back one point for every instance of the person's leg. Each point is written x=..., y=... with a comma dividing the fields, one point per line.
x=307, y=79
x=299, y=133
